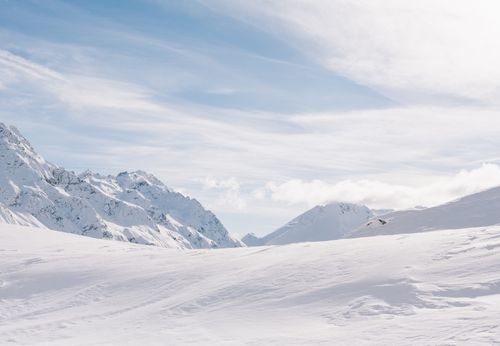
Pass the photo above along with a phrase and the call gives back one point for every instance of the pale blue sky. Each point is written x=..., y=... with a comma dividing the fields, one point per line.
x=260, y=109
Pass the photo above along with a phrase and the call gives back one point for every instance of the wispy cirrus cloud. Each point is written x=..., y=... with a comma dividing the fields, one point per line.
x=74, y=90
x=410, y=50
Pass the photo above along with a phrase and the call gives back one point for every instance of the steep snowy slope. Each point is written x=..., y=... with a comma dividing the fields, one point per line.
x=328, y=222
x=434, y=288
x=134, y=207
x=480, y=209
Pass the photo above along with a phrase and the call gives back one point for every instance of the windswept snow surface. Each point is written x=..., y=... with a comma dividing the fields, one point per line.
x=434, y=288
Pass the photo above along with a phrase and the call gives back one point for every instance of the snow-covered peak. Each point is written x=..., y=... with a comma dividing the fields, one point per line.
x=12, y=137
x=18, y=158
x=199, y=225
x=252, y=240
x=323, y=222
x=139, y=178
x=132, y=206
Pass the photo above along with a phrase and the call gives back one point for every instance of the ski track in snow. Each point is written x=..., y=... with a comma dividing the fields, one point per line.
x=435, y=288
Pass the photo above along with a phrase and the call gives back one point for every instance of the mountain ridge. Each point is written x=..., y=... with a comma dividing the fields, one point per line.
x=475, y=210
x=131, y=206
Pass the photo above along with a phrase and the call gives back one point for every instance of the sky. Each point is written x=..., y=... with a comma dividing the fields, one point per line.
x=262, y=109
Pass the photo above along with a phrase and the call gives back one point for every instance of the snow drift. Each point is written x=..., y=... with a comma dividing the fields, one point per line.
x=433, y=288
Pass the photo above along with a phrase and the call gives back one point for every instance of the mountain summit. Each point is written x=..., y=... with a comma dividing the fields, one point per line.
x=323, y=222
x=132, y=206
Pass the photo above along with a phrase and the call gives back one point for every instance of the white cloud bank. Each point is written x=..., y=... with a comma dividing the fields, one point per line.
x=377, y=194
x=233, y=196
x=228, y=192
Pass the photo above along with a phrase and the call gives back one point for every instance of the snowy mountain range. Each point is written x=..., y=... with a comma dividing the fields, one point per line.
x=132, y=206
x=343, y=220
x=137, y=207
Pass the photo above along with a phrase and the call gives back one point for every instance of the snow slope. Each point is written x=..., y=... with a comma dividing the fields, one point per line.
x=133, y=206
x=328, y=222
x=433, y=288
x=479, y=209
